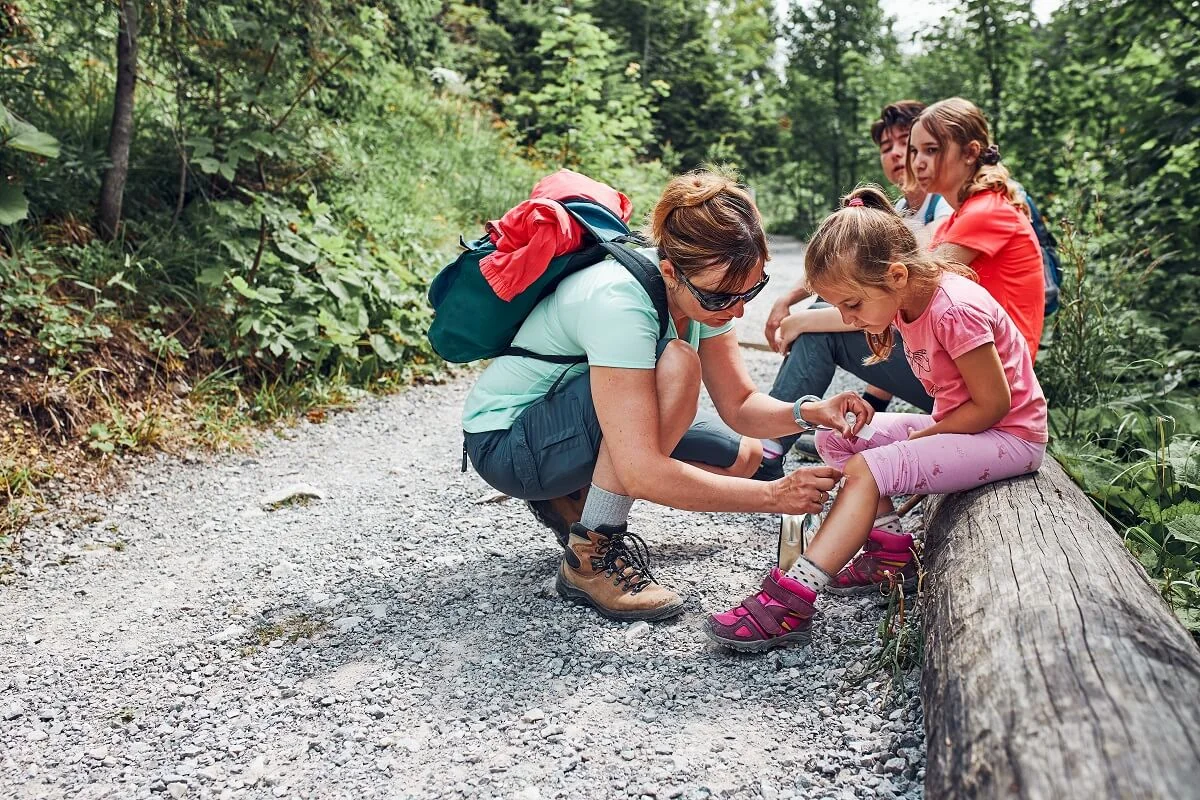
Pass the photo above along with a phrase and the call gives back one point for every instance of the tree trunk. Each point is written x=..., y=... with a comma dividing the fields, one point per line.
x=836, y=141
x=1052, y=667
x=991, y=24
x=112, y=191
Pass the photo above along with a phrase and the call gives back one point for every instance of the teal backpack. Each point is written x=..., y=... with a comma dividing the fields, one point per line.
x=471, y=322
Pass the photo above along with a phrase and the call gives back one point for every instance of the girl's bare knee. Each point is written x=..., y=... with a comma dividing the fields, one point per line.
x=859, y=474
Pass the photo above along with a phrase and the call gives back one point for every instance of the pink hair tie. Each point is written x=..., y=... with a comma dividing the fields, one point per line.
x=857, y=201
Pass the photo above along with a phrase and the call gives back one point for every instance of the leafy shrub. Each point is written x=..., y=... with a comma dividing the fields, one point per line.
x=18, y=136
x=311, y=296
x=1146, y=481
x=1123, y=405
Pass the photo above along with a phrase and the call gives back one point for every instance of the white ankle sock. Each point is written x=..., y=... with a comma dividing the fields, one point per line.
x=809, y=574
x=771, y=448
x=889, y=522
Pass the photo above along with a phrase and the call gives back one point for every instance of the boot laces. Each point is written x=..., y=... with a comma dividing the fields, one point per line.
x=627, y=558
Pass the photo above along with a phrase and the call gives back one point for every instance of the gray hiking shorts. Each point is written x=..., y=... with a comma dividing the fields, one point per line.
x=551, y=449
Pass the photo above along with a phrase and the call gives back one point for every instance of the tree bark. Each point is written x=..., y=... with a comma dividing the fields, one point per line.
x=1053, y=669
x=120, y=136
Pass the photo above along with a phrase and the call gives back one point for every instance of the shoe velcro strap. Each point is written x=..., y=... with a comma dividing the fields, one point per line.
x=764, y=618
x=789, y=600
x=856, y=576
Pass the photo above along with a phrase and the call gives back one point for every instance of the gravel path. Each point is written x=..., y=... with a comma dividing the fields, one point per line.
x=398, y=637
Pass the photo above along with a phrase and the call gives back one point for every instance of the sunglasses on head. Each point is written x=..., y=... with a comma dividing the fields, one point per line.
x=719, y=301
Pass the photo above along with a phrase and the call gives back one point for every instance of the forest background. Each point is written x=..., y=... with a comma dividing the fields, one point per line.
x=225, y=213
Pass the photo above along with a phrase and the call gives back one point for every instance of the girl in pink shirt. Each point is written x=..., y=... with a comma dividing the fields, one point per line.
x=988, y=421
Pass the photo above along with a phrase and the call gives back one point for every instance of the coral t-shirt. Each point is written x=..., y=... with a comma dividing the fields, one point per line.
x=1009, y=263
x=961, y=317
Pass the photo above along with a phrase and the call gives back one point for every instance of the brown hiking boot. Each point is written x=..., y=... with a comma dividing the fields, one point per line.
x=608, y=569
x=560, y=513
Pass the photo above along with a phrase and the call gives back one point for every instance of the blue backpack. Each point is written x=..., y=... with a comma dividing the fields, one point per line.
x=470, y=322
x=1051, y=268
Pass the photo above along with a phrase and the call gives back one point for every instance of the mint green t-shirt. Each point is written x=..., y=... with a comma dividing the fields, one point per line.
x=601, y=311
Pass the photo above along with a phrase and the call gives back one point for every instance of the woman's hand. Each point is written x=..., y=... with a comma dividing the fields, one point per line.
x=832, y=413
x=805, y=490
x=922, y=433
x=779, y=311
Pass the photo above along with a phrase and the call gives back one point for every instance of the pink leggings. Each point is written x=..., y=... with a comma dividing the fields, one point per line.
x=945, y=462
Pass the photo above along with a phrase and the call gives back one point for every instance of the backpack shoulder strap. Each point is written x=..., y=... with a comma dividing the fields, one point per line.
x=931, y=209
x=647, y=274
x=612, y=238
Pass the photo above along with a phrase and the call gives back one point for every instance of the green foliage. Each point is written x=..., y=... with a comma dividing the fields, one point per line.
x=281, y=193
x=838, y=79
x=18, y=135
x=716, y=62
x=37, y=296
x=1147, y=481
x=1123, y=406
x=1096, y=335
x=704, y=76
x=314, y=296
x=589, y=112
x=982, y=52
x=901, y=640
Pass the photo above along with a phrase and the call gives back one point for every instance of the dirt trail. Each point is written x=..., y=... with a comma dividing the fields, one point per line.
x=398, y=636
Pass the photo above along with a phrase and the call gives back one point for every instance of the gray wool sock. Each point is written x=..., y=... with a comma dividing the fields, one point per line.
x=605, y=508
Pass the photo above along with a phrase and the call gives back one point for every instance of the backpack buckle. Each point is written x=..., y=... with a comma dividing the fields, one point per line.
x=634, y=239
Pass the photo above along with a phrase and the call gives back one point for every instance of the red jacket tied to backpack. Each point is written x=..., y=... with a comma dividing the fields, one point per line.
x=539, y=229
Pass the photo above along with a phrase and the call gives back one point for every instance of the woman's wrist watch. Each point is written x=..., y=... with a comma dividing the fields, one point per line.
x=808, y=398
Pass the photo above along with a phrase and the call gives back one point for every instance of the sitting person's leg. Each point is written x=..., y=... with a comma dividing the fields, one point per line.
x=889, y=463
x=948, y=462
x=809, y=369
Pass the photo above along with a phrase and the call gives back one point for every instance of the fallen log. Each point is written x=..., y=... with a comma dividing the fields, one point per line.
x=1053, y=669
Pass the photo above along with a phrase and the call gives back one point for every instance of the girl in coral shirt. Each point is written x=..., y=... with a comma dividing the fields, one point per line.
x=951, y=153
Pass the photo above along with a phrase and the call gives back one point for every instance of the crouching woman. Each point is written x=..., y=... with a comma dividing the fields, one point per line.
x=581, y=445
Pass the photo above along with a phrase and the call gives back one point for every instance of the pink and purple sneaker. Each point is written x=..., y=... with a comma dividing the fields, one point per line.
x=780, y=613
x=885, y=557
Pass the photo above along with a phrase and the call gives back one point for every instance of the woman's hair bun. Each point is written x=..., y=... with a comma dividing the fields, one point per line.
x=991, y=155
x=699, y=186
x=868, y=196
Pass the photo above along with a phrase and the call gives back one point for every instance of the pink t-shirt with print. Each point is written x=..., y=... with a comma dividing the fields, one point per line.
x=961, y=317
